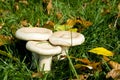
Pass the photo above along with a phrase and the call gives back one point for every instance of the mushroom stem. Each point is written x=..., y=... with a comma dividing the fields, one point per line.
x=45, y=63
x=63, y=53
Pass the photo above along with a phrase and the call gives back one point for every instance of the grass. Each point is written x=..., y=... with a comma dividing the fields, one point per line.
x=100, y=34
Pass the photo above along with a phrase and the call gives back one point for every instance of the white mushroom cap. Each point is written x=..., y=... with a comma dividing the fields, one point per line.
x=67, y=38
x=33, y=33
x=43, y=48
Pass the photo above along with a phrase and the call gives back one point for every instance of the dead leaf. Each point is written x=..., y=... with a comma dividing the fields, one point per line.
x=88, y=64
x=38, y=23
x=101, y=51
x=59, y=15
x=49, y=7
x=24, y=23
x=84, y=60
x=84, y=22
x=113, y=64
x=114, y=73
x=16, y=6
x=105, y=11
x=37, y=75
x=5, y=39
x=83, y=76
x=70, y=22
x=49, y=25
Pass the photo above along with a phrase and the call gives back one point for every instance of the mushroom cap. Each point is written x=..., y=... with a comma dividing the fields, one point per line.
x=43, y=48
x=33, y=33
x=66, y=38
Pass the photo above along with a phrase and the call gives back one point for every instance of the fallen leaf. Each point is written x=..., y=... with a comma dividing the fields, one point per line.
x=84, y=60
x=78, y=66
x=5, y=39
x=113, y=64
x=49, y=7
x=105, y=11
x=24, y=23
x=88, y=64
x=73, y=30
x=38, y=23
x=58, y=27
x=16, y=6
x=37, y=75
x=59, y=15
x=49, y=25
x=70, y=22
x=101, y=51
x=84, y=22
x=114, y=73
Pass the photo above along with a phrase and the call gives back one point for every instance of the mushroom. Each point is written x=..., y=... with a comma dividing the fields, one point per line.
x=33, y=33
x=45, y=51
x=66, y=39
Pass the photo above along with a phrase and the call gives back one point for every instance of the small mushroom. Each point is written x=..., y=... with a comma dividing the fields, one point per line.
x=33, y=33
x=45, y=51
x=66, y=39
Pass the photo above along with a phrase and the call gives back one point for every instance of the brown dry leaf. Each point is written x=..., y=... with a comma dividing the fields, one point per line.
x=37, y=75
x=92, y=65
x=89, y=64
x=96, y=66
x=105, y=11
x=114, y=73
x=5, y=39
x=16, y=6
x=70, y=22
x=59, y=15
x=24, y=23
x=49, y=7
x=84, y=22
x=83, y=76
x=49, y=25
x=84, y=60
x=113, y=64
x=38, y=23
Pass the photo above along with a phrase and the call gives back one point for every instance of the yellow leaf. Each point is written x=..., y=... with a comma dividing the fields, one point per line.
x=101, y=51
x=73, y=30
x=58, y=27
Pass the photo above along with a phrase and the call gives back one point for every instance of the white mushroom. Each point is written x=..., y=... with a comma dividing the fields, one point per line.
x=66, y=39
x=45, y=51
x=33, y=33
